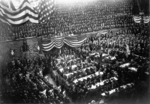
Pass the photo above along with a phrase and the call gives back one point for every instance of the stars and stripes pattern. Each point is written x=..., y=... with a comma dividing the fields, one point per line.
x=18, y=16
x=45, y=9
x=58, y=42
x=26, y=11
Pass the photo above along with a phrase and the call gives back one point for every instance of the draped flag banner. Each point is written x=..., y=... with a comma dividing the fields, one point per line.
x=146, y=19
x=58, y=42
x=137, y=19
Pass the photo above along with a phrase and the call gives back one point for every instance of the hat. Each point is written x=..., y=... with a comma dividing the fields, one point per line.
x=101, y=102
x=93, y=101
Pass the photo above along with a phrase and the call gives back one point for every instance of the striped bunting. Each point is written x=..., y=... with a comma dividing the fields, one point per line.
x=75, y=43
x=3, y=19
x=58, y=42
x=137, y=19
x=146, y=19
x=21, y=15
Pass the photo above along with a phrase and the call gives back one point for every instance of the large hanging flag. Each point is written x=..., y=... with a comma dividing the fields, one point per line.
x=34, y=11
x=16, y=16
x=59, y=41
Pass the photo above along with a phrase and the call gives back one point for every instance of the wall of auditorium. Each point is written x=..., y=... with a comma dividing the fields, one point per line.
x=6, y=47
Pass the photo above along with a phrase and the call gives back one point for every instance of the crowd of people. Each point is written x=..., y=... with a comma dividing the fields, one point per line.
x=77, y=19
x=23, y=82
x=106, y=66
x=100, y=58
x=100, y=67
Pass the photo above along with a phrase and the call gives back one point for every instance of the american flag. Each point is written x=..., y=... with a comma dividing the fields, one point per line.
x=24, y=13
x=58, y=42
x=146, y=19
x=137, y=19
x=45, y=9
